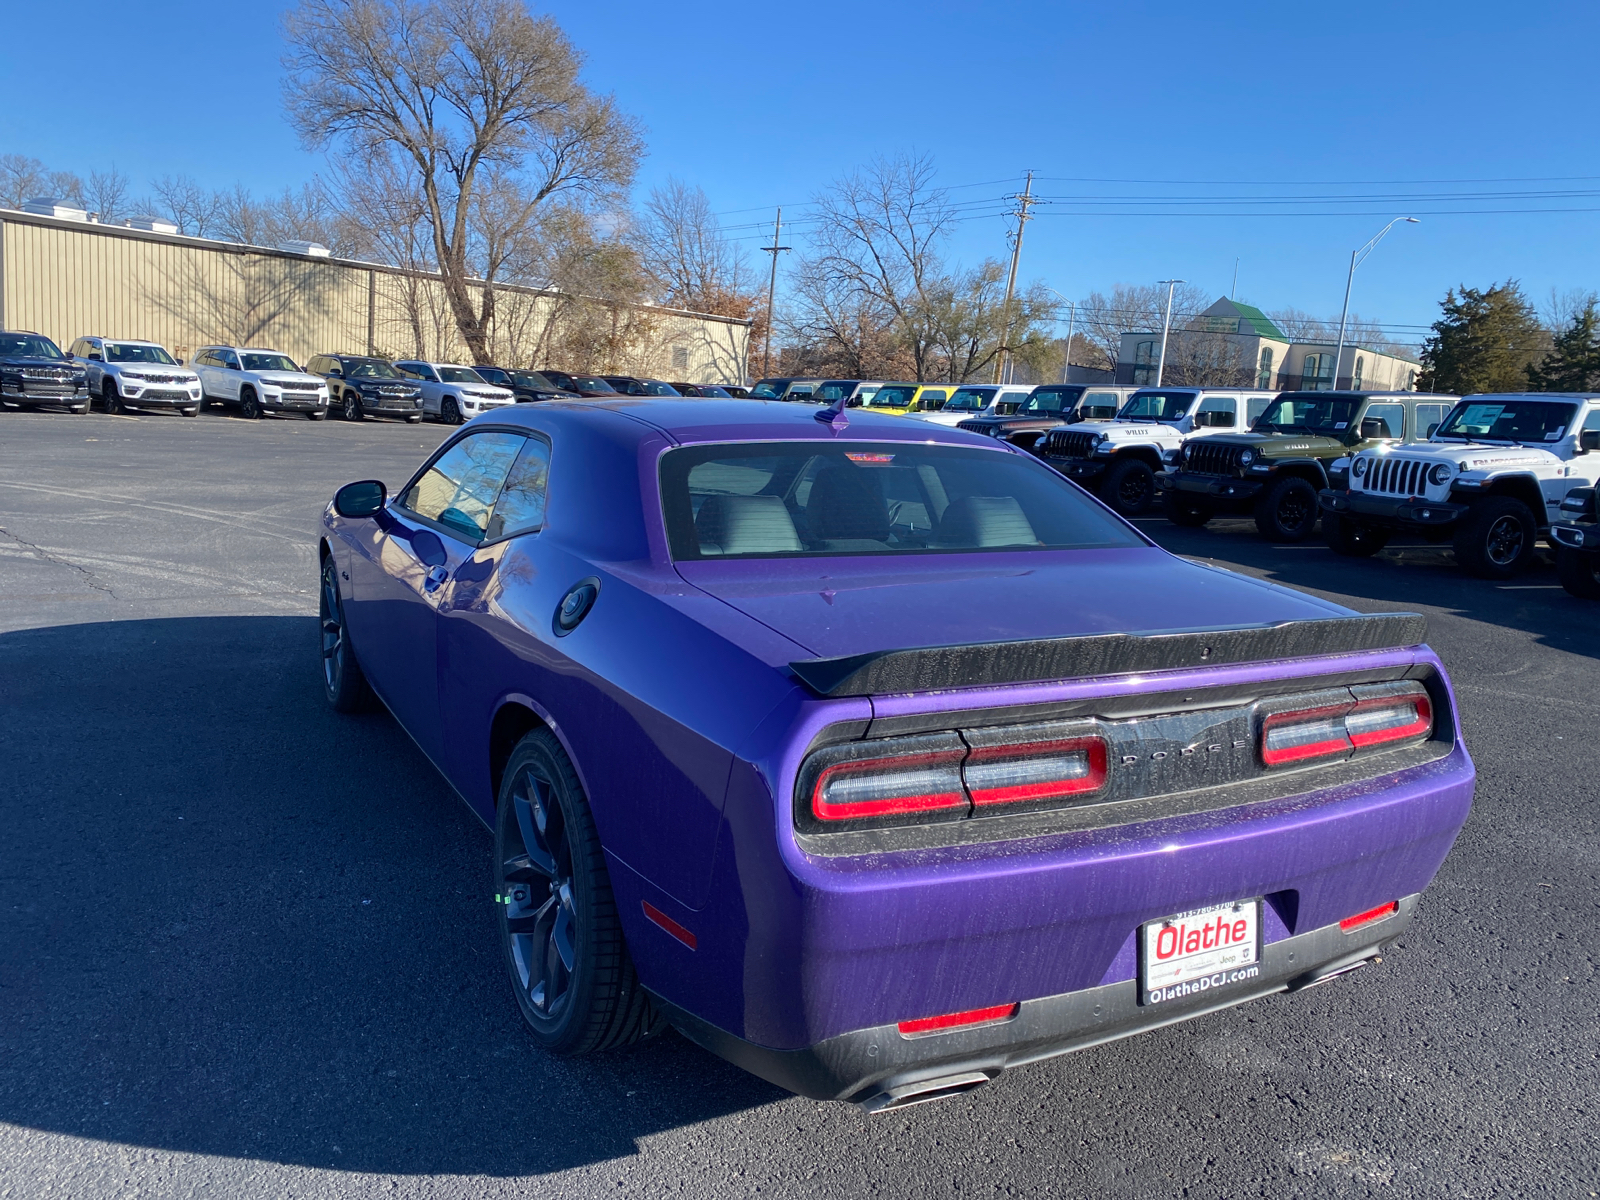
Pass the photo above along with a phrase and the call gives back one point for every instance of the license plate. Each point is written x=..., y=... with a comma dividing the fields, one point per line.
x=1197, y=952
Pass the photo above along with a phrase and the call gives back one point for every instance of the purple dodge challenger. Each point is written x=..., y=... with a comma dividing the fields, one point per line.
x=874, y=756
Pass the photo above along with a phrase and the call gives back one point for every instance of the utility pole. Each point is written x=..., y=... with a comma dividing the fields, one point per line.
x=1161, y=365
x=772, y=288
x=1024, y=203
x=1357, y=257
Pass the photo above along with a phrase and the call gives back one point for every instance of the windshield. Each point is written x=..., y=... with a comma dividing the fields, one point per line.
x=893, y=396
x=532, y=379
x=591, y=383
x=768, y=390
x=1508, y=421
x=369, y=368
x=654, y=387
x=709, y=390
x=128, y=352
x=822, y=498
x=969, y=400
x=1054, y=400
x=28, y=345
x=835, y=389
x=460, y=375
x=268, y=362
x=1330, y=418
x=1157, y=406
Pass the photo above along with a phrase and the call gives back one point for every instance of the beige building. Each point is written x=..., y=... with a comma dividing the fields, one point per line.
x=69, y=278
x=1238, y=345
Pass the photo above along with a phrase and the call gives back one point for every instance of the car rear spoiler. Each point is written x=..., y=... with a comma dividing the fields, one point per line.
x=983, y=664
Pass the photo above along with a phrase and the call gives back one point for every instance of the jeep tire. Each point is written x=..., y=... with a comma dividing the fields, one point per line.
x=1129, y=487
x=1351, y=539
x=1579, y=571
x=1184, y=510
x=1288, y=510
x=1495, y=539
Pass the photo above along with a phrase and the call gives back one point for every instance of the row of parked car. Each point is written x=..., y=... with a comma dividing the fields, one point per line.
x=130, y=373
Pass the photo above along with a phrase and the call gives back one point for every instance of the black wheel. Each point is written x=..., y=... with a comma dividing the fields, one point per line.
x=317, y=414
x=564, y=949
x=342, y=679
x=1346, y=537
x=1184, y=510
x=1495, y=539
x=1288, y=511
x=249, y=406
x=108, y=393
x=1129, y=487
x=192, y=412
x=1579, y=571
x=352, y=407
x=449, y=411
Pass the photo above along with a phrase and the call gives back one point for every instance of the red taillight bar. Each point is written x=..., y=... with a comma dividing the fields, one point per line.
x=878, y=787
x=1371, y=915
x=1328, y=730
x=1035, y=771
x=993, y=1015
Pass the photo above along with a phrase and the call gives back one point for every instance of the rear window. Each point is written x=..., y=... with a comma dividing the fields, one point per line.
x=831, y=498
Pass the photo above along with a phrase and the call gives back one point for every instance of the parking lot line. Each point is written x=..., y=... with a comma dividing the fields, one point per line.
x=1529, y=587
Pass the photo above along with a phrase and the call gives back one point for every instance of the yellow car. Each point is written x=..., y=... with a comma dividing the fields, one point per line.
x=902, y=398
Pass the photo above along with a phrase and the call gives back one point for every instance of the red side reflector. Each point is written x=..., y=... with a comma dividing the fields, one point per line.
x=1371, y=915
x=993, y=1015
x=671, y=926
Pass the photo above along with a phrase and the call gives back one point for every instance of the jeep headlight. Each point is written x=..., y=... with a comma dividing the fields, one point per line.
x=1246, y=457
x=1439, y=473
x=1359, y=467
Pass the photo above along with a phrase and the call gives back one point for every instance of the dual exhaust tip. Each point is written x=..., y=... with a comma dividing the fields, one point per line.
x=925, y=1091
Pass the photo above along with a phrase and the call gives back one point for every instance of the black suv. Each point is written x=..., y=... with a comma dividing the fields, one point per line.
x=528, y=385
x=33, y=372
x=361, y=387
x=628, y=385
x=1047, y=406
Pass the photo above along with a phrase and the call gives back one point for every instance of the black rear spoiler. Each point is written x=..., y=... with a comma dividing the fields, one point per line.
x=983, y=664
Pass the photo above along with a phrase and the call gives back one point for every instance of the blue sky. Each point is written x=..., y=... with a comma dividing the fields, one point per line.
x=1342, y=115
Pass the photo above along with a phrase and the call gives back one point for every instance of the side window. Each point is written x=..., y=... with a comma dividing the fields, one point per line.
x=1264, y=373
x=459, y=489
x=1254, y=407
x=1429, y=417
x=79, y=349
x=932, y=400
x=520, y=508
x=1226, y=409
x=409, y=370
x=1384, y=421
x=1592, y=421
x=230, y=359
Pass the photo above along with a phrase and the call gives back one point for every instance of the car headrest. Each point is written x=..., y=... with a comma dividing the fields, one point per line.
x=846, y=504
x=979, y=521
x=745, y=525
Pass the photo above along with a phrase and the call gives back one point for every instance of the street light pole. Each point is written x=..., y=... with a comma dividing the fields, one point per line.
x=1072, y=316
x=1166, y=324
x=772, y=289
x=1357, y=257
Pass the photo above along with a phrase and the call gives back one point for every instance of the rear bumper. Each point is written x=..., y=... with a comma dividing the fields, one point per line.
x=880, y=1068
x=1391, y=511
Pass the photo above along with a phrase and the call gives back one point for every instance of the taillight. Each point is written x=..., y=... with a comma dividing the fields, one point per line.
x=1334, y=730
x=1380, y=913
x=879, y=787
x=1036, y=771
x=923, y=1026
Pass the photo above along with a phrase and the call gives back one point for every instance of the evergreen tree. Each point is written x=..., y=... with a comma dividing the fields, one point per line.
x=1484, y=342
x=1573, y=364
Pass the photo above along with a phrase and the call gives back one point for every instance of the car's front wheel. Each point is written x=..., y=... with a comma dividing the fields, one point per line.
x=450, y=412
x=574, y=980
x=343, y=681
x=1579, y=571
x=352, y=407
x=108, y=393
x=1288, y=511
x=1495, y=539
x=1130, y=487
x=1346, y=537
x=249, y=406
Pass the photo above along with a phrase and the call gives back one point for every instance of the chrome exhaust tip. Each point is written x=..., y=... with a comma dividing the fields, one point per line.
x=923, y=1091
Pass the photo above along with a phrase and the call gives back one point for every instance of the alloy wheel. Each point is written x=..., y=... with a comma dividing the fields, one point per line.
x=1503, y=545
x=537, y=891
x=333, y=643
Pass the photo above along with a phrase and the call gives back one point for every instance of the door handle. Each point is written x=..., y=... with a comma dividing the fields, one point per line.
x=435, y=579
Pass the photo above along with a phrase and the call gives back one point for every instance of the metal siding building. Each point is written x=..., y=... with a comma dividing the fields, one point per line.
x=69, y=279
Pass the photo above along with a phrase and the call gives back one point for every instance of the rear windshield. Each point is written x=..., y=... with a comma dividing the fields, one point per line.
x=1157, y=406
x=1051, y=400
x=123, y=352
x=1328, y=417
x=830, y=498
x=1508, y=421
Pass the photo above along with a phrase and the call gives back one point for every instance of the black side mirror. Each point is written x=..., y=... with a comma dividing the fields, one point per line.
x=1588, y=440
x=1433, y=428
x=362, y=499
x=335, y=373
x=94, y=356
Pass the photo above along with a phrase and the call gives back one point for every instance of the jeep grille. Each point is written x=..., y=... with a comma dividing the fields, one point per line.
x=1206, y=457
x=982, y=427
x=1392, y=476
x=1070, y=443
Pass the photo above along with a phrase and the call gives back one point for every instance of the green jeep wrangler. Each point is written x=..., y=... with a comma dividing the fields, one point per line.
x=1275, y=472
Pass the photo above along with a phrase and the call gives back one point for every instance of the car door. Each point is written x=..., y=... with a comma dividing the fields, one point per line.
x=402, y=564
x=1227, y=406
x=200, y=364
x=229, y=378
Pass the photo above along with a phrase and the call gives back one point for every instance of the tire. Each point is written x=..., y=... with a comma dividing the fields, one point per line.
x=1184, y=510
x=1288, y=511
x=449, y=411
x=249, y=406
x=108, y=393
x=352, y=407
x=416, y=420
x=80, y=409
x=1495, y=539
x=320, y=414
x=343, y=681
x=1129, y=487
x=569, y=965
x=1346, y=537
x=192, y=412
x=1579, y=571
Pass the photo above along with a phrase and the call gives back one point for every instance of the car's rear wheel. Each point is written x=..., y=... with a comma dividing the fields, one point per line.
x=192, y=411
x=574, y=980
x=1183, y=510
x=450, y=411
x=352, y=407
x=1579, y=571
x=249, y=406
x=108, y=393
x=1288, y=511
x=343, y=681
x=1495, y=539
x=1346, y=537
x=1130, y=487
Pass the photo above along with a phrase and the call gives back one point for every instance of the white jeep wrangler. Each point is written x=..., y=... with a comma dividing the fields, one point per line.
x=1119, y=459
x=1489, y=480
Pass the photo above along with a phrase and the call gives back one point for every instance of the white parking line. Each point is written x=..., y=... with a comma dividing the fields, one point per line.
x=1529, y=587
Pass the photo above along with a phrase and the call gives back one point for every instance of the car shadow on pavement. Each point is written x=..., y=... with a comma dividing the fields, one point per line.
x=239, y=924
x=1409, y=573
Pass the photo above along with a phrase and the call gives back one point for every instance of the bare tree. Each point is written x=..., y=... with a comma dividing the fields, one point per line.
x=107, y=195
x=1133, y=308
x=462, y=92
x=191, y=207
x=690, y=261
x=1562, y=307
x=23, y=179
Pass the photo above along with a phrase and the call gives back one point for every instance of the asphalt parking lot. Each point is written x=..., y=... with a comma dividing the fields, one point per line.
x=248, y=945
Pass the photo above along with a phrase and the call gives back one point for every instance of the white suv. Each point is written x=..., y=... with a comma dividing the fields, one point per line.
x=138, y=374
x=453, y=393
x=259, y=382
x=1489, y=480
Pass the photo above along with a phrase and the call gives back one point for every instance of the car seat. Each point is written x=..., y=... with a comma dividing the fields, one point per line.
x=745, y=525
x=846, y=510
